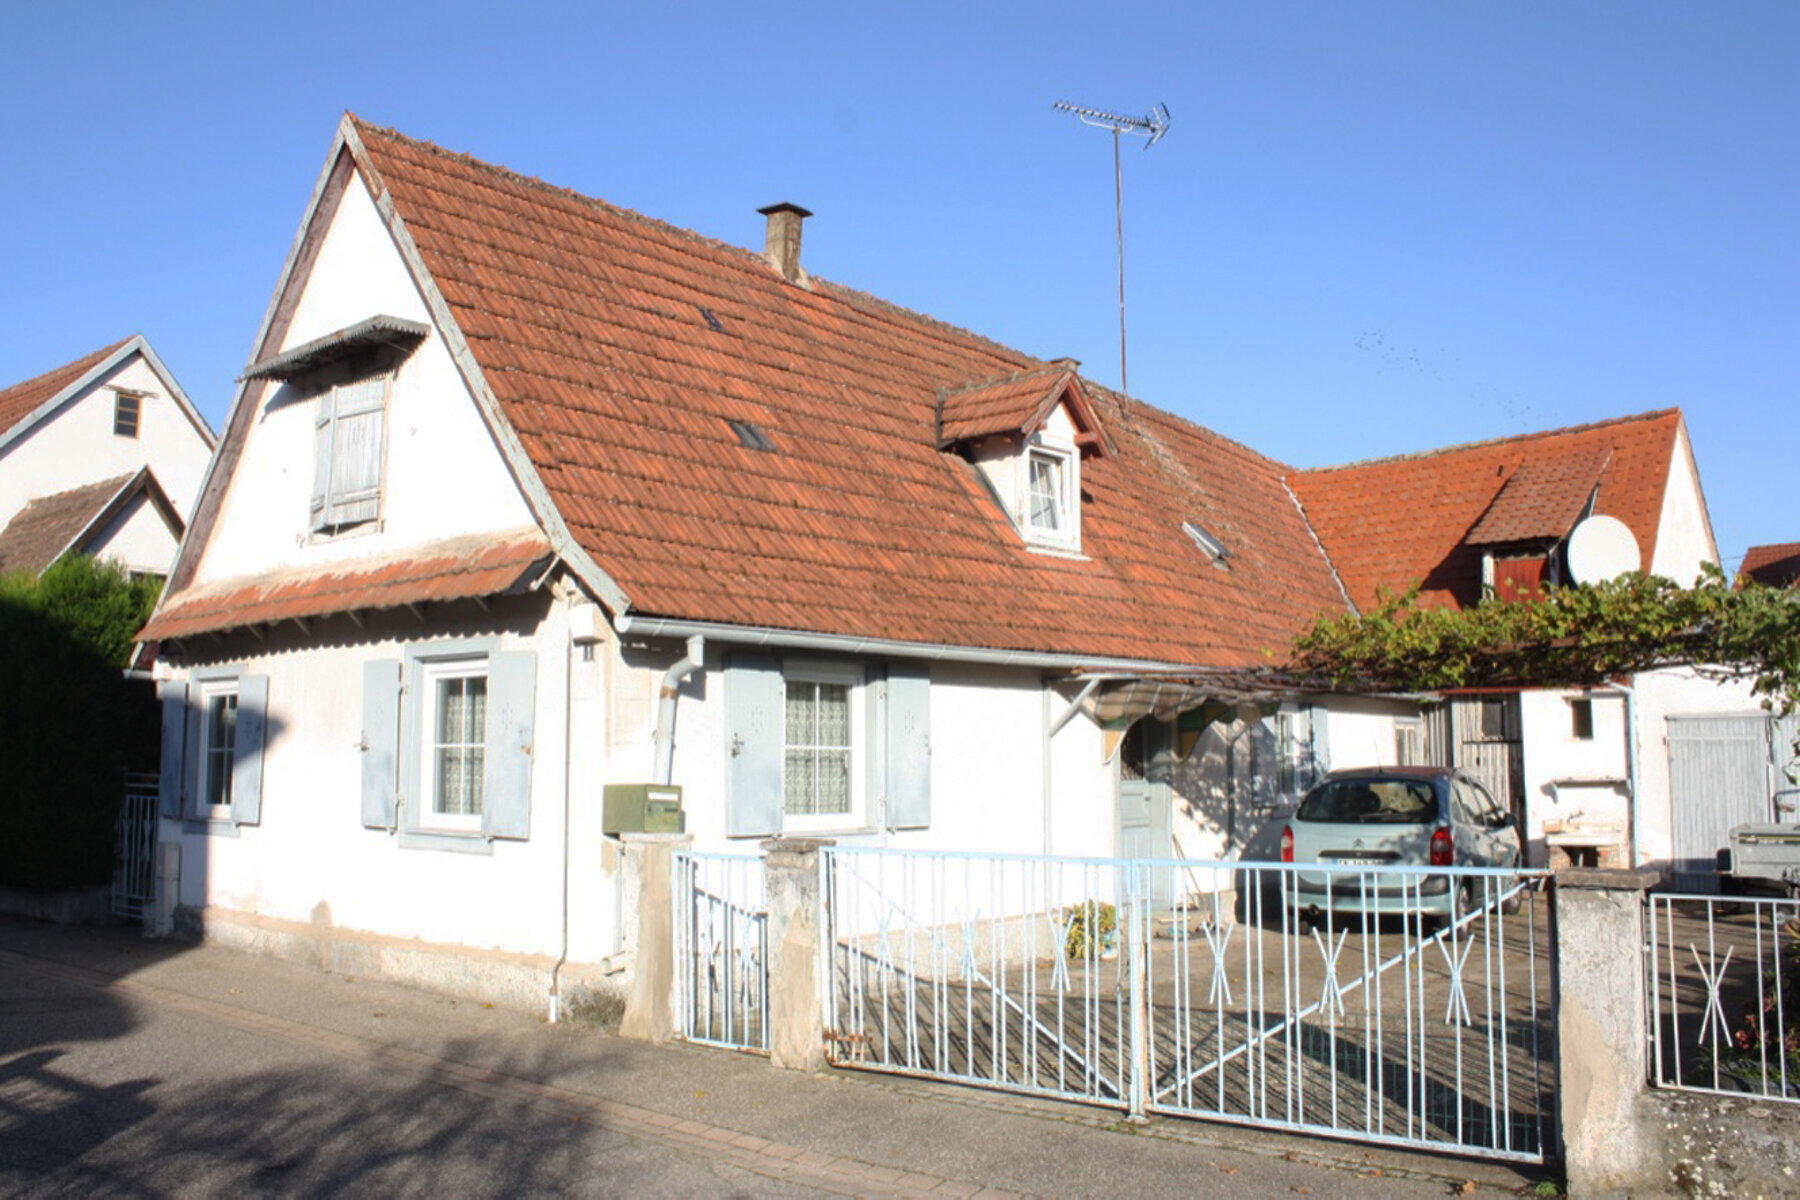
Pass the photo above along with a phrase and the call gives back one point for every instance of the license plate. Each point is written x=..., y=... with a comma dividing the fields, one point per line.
x=1359, y=862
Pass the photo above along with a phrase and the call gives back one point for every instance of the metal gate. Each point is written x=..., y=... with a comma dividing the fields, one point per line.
x=721, y=950
x=1722, y=772
x=134, y=856
x=1058, y=976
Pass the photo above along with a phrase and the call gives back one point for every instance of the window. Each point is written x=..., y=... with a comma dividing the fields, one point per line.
x=821, y=747
x=819, y=782
x=1287, y=755
x=1581, y=720
x=455, y=758
x=1409, y=741
x=218, y=746
x=447, y=759
x=1046, y=499
x=347, y=463
x=128, y=409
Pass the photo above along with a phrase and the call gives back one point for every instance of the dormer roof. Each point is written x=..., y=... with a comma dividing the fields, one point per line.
x=1018, y=405
x=1542, y=499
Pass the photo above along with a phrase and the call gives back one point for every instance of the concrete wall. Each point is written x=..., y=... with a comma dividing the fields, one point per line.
x=444, y=476
x=77, y=445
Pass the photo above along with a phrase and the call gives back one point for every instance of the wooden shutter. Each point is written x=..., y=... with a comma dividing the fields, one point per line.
x=380, y=743
x=191, y=800
x=322, y=429
x=173, y=695
x=247, y=750
x=1520, y=579
x=356, y=439
x=754, y=712
x=1320, y=733
x=908, y=737
x=506, y=789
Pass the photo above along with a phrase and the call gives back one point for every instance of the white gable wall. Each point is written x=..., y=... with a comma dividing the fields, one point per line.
x=444, y=475
x=76, y=445
x=137, y=537
x=1683, y=541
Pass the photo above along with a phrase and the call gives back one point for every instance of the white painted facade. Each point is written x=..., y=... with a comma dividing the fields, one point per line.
x=1684, y=538
x=443, y=476
x=137, y=537
x=72, y=443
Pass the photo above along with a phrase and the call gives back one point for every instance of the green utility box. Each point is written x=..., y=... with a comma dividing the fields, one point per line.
x=643, y=808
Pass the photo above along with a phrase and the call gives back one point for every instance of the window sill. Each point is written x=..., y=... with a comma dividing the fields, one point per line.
x=1052, y=550
x=325, y=537
x=210, y=826
x=456, y=841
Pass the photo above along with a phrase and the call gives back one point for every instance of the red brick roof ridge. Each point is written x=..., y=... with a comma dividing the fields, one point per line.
x=846, y=292
x=1485, y=443
x=41, y=387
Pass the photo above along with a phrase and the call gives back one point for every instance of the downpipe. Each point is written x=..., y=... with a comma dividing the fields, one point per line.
x=663, y=739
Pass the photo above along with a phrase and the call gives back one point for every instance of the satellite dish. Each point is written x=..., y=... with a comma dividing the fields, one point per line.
x=1602, y=548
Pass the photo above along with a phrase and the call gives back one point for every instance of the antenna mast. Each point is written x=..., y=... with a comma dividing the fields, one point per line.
x=1152, y=125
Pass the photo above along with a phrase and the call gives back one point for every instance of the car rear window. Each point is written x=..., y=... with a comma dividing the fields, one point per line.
x=1371, y=801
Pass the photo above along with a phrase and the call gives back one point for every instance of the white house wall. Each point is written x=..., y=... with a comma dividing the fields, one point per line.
x=1683, y=539
x=76, y=445
x=1661, y=695
x=138, y=537
x=1572, y=780
x=444, y=476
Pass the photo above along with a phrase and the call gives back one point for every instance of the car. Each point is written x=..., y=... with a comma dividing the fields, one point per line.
x=1397, y=817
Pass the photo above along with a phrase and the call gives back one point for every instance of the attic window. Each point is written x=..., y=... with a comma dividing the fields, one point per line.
x=1047, y=496
x=712, y=320
x=128, y=407
x=1212, y=547
x=752, y=436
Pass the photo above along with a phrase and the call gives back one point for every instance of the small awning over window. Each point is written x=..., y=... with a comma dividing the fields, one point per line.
x=335, y=347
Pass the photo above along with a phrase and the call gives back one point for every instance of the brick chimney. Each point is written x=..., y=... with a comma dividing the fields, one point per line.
x=782, y=248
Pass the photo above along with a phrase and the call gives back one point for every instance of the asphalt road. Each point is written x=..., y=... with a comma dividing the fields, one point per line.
x=137, y=1067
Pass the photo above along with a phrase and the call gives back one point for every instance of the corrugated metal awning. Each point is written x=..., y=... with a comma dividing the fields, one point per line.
x=335, y=347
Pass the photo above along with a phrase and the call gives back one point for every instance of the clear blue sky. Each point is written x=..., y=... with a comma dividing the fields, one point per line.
x=1374, y=228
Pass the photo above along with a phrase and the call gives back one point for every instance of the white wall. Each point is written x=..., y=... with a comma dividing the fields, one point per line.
x=138, y=537
x=444, y=477
x=1660, y=695
x=1683, y=540
x=76, y=445
x=1571, y=780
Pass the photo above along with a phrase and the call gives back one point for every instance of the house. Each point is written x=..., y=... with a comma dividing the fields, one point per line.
x=523, y=495
x=1611, y=765
x=1776, y=565
x=101, y=456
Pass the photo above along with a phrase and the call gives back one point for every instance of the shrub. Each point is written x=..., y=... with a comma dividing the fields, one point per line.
x=70, y=722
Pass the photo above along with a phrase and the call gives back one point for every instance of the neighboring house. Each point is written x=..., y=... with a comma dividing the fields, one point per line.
x=1776, y=566
x=102, y=456
x=524, y=494
x=1503, y=515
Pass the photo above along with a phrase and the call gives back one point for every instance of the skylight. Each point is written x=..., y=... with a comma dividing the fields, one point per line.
x=1212, y=547
x=752, y=436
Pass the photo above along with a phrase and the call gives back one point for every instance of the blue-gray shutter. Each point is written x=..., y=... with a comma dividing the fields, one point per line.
x=247, y=750
x=356, y=436
x=909, y=745
x=191, y=800
x=380, y=742
x=755, y=708
x=1321, y=742
x=506, y=791
x=322, y=429
x=173, y=694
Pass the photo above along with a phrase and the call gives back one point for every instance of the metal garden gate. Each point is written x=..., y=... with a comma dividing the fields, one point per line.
x=721, y=950
x=134, y=858
x=1058, y=976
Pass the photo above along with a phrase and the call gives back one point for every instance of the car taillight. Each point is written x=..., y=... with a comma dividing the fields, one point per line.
x=1443, y=849
x=1287, y=843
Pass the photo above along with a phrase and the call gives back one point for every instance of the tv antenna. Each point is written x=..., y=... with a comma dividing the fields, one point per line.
x=1152, y=125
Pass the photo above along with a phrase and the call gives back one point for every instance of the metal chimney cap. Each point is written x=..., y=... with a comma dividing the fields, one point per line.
x=784, y=207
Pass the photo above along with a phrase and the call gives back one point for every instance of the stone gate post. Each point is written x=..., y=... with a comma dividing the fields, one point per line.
x=648, y=918
x=796, y=963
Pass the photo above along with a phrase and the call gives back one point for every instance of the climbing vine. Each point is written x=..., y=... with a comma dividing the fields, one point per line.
x=1566, y=637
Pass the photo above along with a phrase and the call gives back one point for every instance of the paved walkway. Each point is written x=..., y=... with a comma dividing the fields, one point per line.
x=148, y=1067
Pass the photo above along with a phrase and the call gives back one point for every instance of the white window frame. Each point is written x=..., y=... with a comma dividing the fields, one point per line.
x=433, y=673
x=1061, y=461
x=207, y=769
x=121, y=398
x=857, y=818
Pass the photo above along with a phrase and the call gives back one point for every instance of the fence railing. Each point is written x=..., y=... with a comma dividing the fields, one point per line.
x=1395, y=1004
x=721, y=949
x=1725, y=994
x=134, y=858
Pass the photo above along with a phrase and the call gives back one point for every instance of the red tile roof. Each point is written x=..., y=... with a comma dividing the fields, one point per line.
x=1397, y=522
x=1777, y=565
x=43, y=530
x=587, y=323
x=448, y=570
x=22, y=399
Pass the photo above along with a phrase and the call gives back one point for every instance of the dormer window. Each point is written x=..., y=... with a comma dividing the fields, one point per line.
x=1027, y=435
x=1046, y=494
